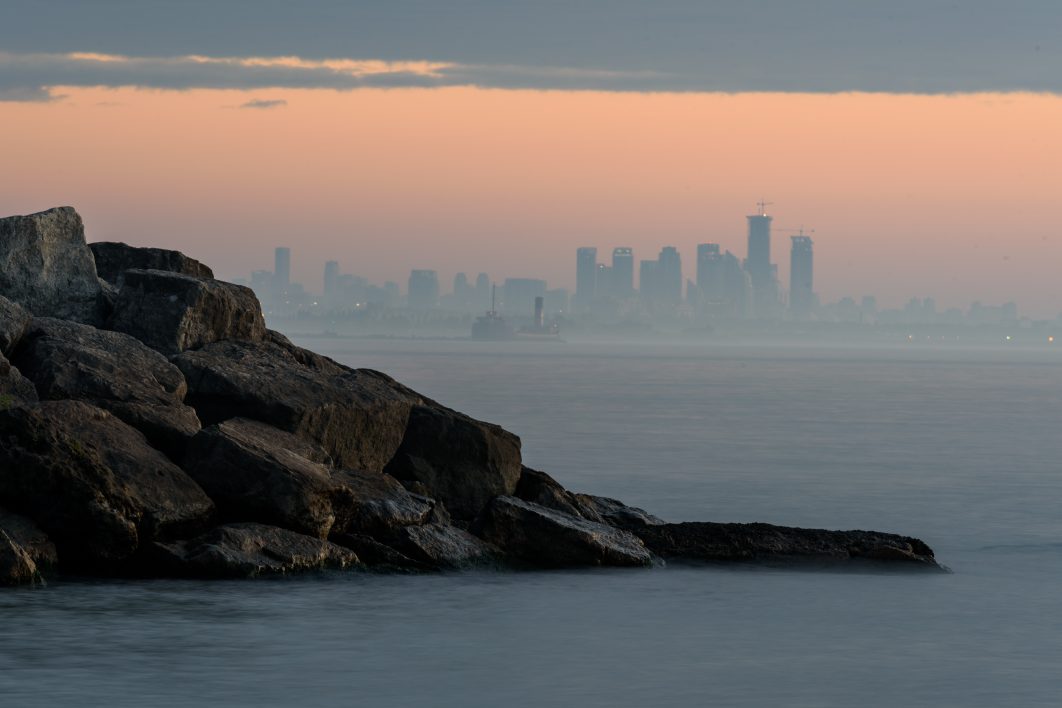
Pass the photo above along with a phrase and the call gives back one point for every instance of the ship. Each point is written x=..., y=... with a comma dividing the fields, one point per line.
x=492, y=326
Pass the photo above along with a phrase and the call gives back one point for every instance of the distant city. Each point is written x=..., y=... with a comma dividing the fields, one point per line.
x=726, y=294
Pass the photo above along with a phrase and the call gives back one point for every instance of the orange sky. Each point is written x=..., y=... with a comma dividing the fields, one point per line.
x=949, y=196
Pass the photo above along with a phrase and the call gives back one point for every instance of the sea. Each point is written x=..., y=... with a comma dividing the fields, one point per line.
x=959, y=446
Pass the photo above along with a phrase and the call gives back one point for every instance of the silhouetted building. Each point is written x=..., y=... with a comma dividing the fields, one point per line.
x=649, y=281
x=621, y=278
x=585, y=276
x=331, y=279
x=518, y=294
x=423, y=289
x=482, y=292
x=282, y=268
x=670, y=274
x=603, y=282
x=801, y=277
x=710, y=280
x=758, y=263
x=737, y=287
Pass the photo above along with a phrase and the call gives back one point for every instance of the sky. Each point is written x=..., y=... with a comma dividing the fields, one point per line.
x=917, y=142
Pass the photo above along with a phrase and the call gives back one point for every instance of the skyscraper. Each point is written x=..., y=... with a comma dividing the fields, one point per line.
x=585, y=276
x=331, y=278
x=622, y=275
x=423, y=289
x=282, y=267
x=710, y=272
x=670, y=275
x=801, y=276
x=758, y=264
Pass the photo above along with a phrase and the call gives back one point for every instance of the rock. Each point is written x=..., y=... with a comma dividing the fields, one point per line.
x=379, y=556
x=358, y=416
x=14, y=387
x=706, y=541
x=114, y=258
x=172, y=312
x=249, y=550
x=253, y=472
x=93, y=483
x=13, y=323
x=46, y=267
x=462, y=462
x=380, y=503
x=67, y=360
x=548, y=538
x=443, y=547
x=25, y=551
x=540, y=488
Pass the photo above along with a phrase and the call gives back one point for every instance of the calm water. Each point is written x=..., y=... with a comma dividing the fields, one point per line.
x=959, y=447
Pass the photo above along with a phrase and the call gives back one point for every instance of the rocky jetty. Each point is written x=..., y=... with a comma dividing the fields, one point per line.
x=151, y=425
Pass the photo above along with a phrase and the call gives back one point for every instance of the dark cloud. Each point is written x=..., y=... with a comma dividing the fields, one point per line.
x=265, y=103
x=919, y=46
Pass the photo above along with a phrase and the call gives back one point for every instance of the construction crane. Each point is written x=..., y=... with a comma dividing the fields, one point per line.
x=762, y=207
x=798, y=232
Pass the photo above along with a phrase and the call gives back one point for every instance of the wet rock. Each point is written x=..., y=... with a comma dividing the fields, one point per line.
x=248, y=550
x=172, y=312
x=93, y=483
x=13, y=323
x=67, y=360
x=357, y=416
x=46, y=267
x=461, y=461
x=549, y=538
x=378, y=503
x=254, y=472
x=707, y=541
x=540, y=488
x=443, y=547
x=114, y=258
x=25, y=551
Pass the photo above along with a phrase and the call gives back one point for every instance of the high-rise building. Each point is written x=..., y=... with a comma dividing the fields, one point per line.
x=758, y=263
x=331, y=278
x=585, y=276
x=518, y=294
x=622, y=276
x=670, y=275
x=423, y=289
x=801, y=277
x=603, y=281
x=648, y=280
x=282, y=267
x=710, y=281
x=482, y=291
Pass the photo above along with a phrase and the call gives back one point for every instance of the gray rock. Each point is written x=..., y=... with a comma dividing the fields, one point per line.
x=114, y=258
x=707, y=541
x=254, y=472
x=379, y=556
x=379, y=503
x=13, y=322
x=93, y=483
x=358, y=416
x=46, y=267
x=249, y=550
x=26, y=554
x=461, y=461
x=14, y=387
x=540, y=488
x=548, y=538
x=443, y=547
x=171, y=312
x=67, y=360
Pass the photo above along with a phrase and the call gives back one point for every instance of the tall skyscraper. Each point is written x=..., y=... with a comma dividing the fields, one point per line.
x=801, y=276
x=670, y=275
x=331, y=278
x=282, y=267
x=622, y=275
x=710, y=272
x=758, y=263
x=585, y=276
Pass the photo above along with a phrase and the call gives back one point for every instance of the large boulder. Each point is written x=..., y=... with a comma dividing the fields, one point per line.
x=46, y=267
x=67, y=360
x=13, y=323
x=93, y=483
x=443, y=547
x=114, y=258
x=549, y=538
x=14, y=387
x=249, y=550
x=707, y=541
x=172, y=312
x=379, y=503
x=460, y=461
x=254, y=472
x=25, y=551
x=358, y=416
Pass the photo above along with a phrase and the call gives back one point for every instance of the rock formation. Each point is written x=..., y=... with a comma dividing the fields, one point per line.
x=150, y=424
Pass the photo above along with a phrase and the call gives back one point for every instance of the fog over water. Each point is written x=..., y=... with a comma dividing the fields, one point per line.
x=957, y=446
